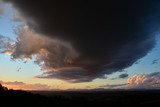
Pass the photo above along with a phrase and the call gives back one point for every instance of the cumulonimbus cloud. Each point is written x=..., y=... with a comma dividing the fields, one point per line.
x=87, y=39
x=148, y=81
x=139, y=81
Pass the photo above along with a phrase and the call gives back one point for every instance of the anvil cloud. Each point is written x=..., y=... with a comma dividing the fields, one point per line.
x=100, y=37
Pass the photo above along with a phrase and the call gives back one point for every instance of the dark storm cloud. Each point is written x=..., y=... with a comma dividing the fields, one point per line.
x=71, y=74
x=108, y=35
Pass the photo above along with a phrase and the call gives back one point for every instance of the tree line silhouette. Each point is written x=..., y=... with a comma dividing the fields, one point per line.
x=100, y=98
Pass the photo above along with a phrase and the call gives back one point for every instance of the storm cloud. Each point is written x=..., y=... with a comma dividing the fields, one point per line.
x=103, y=36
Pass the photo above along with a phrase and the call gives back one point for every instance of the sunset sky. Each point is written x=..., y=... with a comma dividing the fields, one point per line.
x=32, y=58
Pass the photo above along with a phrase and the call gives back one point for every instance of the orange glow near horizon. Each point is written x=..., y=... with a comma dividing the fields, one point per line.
x=15, y=87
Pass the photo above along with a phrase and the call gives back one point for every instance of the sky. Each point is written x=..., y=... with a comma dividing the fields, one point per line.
x=77, y=45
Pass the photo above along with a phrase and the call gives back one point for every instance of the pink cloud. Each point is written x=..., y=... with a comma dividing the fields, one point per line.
x=25, y=86
x=149, y=81
x=139, y=81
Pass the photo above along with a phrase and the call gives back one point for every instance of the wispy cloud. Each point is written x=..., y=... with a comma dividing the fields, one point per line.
x=112, y=86
x=121, y=76
x=25, y=86
x=1, y=11
x=155, y=61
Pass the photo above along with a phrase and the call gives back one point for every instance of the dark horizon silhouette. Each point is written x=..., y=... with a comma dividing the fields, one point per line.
x=80, y=98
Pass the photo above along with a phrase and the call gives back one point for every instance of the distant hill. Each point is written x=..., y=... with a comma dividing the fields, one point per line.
x=18, y=98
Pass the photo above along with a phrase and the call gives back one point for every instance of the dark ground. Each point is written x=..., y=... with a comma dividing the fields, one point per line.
x=105, y=98
x=83, y=98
